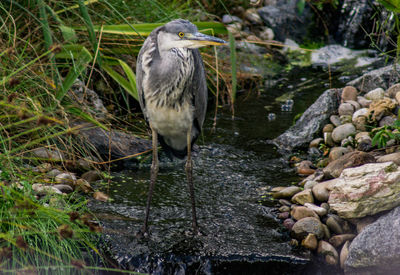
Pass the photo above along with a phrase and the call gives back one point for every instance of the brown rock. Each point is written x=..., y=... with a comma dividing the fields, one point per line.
x=338, y=240
x=349, y=93
x=100, y=196
x=337, y=152
x=344, y=253
x=287, y=192
x=303, y=197
x=334, y=224
x=310, y=242
x=301, y=212
x=352, y=159
x=92, y=176
x=308, y=225
x=83, y=185
x=395, y=157
x=330, y=253
x=321, y=190
x=393, y=90
x=328, y=128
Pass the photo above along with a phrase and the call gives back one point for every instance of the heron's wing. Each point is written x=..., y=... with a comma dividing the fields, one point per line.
x=199, y=90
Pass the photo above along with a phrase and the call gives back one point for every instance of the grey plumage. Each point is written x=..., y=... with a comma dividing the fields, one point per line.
x=172, y=89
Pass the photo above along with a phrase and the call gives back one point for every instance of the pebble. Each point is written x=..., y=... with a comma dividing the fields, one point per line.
x=319, y=210
x=227, y=19
x=84, y=164
x=316, y=142
x=45, y=153
x=43, y=190
x=303, y=197
x=327, y=232
x=398, y=97
x=335, y=120
x=287, y=192
x=338, y=240
x=360, y=123
x=92, y=176
x=83, y=185
x=364, y=102
x=288, y=224
x=253, y=17
x=308, y=225
x=64, y=188
x=267, y=34
x=328, y=128
x=375, y=94
x=344, y=253
x=393, y=90
x=343, y=131
x=65, y=178
x=100, y=196
x=337, y=152
x=346, y=109
x=328, y=139
x=346, y=119
x=284, y=208
x=387, y=120
x=334, y=225
x=301, y=212
x=360, y=112
x=310, y=184
x=285, y=202
x=320, y=191
x=310, y=242
x=395, y=157
x=53, y=173
x=349, y=93
x=283, y=215
x=330, y=253
x=355, y=104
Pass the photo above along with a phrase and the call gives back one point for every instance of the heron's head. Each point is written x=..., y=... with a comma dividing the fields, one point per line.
x=183, y=34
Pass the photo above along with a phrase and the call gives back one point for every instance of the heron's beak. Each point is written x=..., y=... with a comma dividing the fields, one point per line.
x=200, y=39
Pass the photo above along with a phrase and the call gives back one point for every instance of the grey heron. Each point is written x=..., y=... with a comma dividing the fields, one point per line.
x=172, y=90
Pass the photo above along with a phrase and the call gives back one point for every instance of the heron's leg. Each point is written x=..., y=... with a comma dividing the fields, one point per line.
x=189, y=175
x=153, y=178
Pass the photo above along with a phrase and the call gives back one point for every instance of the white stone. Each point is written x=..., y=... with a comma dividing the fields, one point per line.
x=343, y=131
x=360, y=112
x=375, y=94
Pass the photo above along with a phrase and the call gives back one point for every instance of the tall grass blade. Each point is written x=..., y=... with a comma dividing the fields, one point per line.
x=233, y=66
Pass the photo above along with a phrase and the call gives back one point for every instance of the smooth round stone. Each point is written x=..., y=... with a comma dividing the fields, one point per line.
x=355, y=104
x=319, y=210
x=327, y=233
x=346, y=109
x=328, y=128
x=349, y=93
x=227, y=19
x=267, y=34
x=65, y=178
x=393, y=90
x=333, y=223
x=387, y=120
x=360, y=123
x=364, y=102
x=43, y=190
x=287, y=192
x=344, y=253
x=283, y=215
x=316, y=142
x=284, y=208
x=92, y=175
x=397, y=96
x=320, y=191
x=375, y=94
x=335, y=120
x=53, y=173
x=301, y=212
x=337, y=152
x=285, y=202
x=345, y=119
x=362, y=136
x=326, y=249
x=395, y=157
x=343, y=131
x=338, y=240
x=325, y=205
x=303, y=197
x=360, y=112
x=308, y=225
x=310, y=242
x=310, y=184
x=64, y=188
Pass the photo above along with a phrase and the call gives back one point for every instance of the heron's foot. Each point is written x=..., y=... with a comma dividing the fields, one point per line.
x=143, y=233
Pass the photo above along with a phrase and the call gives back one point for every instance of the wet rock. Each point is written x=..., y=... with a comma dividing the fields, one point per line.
x=337, y=152
x=366, y=190
x=316, y=142
x=227, y=19
x=285, y=202
x=287, y=192
x=43, y=190
x=64, y=188
x=310, y=123
x=92, y=176
x=310, y=242
x=334, y=225
x=343, y=131
x=387, y=120
x=393, y=90
x=375, y=94
x=310, y=184
x=321, y=190
x=301, y=212
x=303, y=197
x=352, y=159
x=394, y=157
x=344, y=253
x=349, y=93
x=328, y=128
x=45, y=153
x=346, y=109
x=379, y=78
x=53, y=173
x=338, y=240
x=377, y=247
x=65, y=178
x=363, y=101
x=335, y=120
x=288, y=224
x=319, y=210
x=307, y=225
x=326, y=249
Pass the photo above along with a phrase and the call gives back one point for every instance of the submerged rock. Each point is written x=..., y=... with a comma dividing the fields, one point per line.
x=366, y=190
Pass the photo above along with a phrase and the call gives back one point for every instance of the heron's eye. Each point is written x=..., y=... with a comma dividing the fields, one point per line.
x=181, y=34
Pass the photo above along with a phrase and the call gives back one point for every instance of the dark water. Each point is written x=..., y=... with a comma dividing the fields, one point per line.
x=232, y=169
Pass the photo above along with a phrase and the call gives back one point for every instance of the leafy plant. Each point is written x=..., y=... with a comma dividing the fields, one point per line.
x=383, y=134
